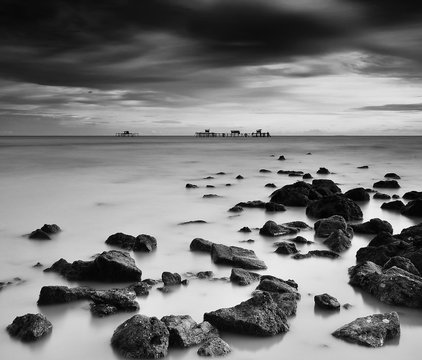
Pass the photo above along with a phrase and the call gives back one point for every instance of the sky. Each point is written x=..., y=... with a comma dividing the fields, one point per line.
x=173, y=67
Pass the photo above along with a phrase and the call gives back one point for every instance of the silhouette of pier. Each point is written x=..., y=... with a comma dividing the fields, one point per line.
x=233, y=133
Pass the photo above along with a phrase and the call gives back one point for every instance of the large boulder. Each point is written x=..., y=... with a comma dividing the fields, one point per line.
x=109, y=266
x=373, y=226
x=199, y=244
x=243, y=277
x=357, y=194
x=387, y=184
x=373, y=330
x=260, y=316
x=271, y=228
x=30, y=327
x=236, y=256
x=413, y=208
x=324, y=227
x=338, y=241
x=214, y=347
x=334, y=205
x=185, y=332
x=141, y=337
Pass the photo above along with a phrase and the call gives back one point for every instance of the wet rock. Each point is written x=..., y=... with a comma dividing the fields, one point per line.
x=373, y=226
x=270, y=228
x=381, y=196
x=141, y=288
x=264, y=171
x=296, y=194
x=298, y=225
x=373, y=330
x=286, y=248
x=210, y=196
x=243, y=277
x=357, y=194
x=141, y=337
x=109, y=266
x=334, y=205
x=363, y=167
x=170, y=279
x=392, y=286
x=323, y=171
x=386, y=184
x=210, y=186
x=325, y=301
x=300, y=240
x=191, y=186
x=324, y=227
x=193, y=222
x=402, y=263
x=214, y=347
x=270, y=185
x=316, y=253
x=338, y=241
x=413, y=208
x=245, y=229
x=199, y=244
x=236, y=257
x=252, y=204
x=395, y=196
x=260, y=316
x=51, y=228
x=281, y=157
x=382, y=238
x=274, y=207
x=30, y=327
x=39, y=235
x=392, y=176
x=221, y=173
x=412, y=195
x=239, y=177
x=273, y=284
x=236, y=209
x=307, y=176
x=205, y=275
x=185, y=332
x=395, y=205
x=145, y=243
x=121, y=240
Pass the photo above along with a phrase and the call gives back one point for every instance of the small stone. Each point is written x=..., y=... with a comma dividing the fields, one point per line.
x=30, y=327
x=214, y=347
x=325, y=301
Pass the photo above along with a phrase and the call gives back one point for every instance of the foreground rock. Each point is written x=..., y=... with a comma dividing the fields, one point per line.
x=260, y=316
x=214, y=347
x=334, y=205
x=236, y=257
x=243, y=277
x=109, y=266
x=143, y=242
x=185, y=332
x=141, y=337
x=373, y=226
x=372, y=330
x=30, y=327
x=270, y=228
x=327, y=302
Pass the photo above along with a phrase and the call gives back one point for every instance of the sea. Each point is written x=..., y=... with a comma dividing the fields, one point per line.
x=93, y=187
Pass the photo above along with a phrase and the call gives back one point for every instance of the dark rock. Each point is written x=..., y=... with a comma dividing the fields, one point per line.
x=185, y=332
x=338, y=241
x=236, y=209
x=205, y=275
x=185, y=282
x=210, y=196
x=39, y=235
x=236, y=256
x=357, y=194
x=150, y=282
x=395, y=205
x=249, y=241
x=413, y=208
x=334, y=205
x=323, y=187
x=214, y=347
x=286, y=248
x=381, y=196
x=372, y=330
x=287, y=302
x=140, y=288
x=145, y=243
x=290, y=172
x=239, y=177
x=402, y=263
x=316, y=253
x=121, y=240
x=193, y=222
x=270, y=185
x=300, y=240
x=395, y=196
x=298, y=225
x=30, y=327
x=191, y=186
x=273, y=284
x=265, y=171
x=245, y=229
x=243, y=277
x=307, y=176
x=141, y=337
x=228, y=185
x=210, y=186
x=221, y=173
x=325, y=301
x=270, y=228
x=386, y=184
x=38, y=265
x=296, y=174
x=308, y=153
x=274, y=207
x=392, y=176
x=382, y=238
x=324, y=227
x=373, y=226
x=110, y=266
x=51, y=228
x=15, y=281
x=171, y=278
x=323, y=171
x=260, y=315
x=252, y=204
x=199, y=244
x=392, y=286
x=347, y=306
x=413, y=195
x=296, y=194
x=363, y=167
x=209, y=178
x=281, y=157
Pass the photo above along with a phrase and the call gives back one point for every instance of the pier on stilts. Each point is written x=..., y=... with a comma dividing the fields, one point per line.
x=233, y=133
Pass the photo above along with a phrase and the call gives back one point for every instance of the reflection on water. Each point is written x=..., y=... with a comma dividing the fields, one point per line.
x=94, y=187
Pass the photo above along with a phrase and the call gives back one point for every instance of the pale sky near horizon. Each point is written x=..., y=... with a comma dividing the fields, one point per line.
x=173, y=67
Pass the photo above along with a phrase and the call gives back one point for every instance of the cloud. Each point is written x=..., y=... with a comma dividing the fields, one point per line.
x=394, y=107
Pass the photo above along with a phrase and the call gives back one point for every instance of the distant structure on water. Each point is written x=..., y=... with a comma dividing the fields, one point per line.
x=126, y=134
x=233, y=133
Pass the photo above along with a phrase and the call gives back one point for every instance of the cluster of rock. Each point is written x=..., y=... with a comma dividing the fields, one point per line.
x=143, y=242
x=45, y=232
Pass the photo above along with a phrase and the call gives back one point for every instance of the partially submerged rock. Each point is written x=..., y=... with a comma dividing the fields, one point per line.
x=245, y=229
x=235, y=209
x=317, y=253
x=252, y=204
x=338, y=241
x=324, y=227
x=392, y=176
x=38, y=234
x=236, y=256
x=412, y=195
x=373, y=226
x=286, y=248
x=323, y=171
x=214, y=347
x=191, y=186
x=327, y=302
x=372, y=330
x=273, y=284
x=143, y=242
x=199, y=244
x=274, y=207
x=413, y=208
x=395, y=205
x=51, y=228
x=170, y=279
x=300, y=240
x=270, y=185
x=334, y=205
x=193, y=222
x=30, y=327
x=270, y=228
x=243, y=277
x=386, y=184
x=357, y=194
x=381, y=196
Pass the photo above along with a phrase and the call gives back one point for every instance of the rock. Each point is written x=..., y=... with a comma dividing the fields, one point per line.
x=316, y=253
x=191, y=186
x=145, y=243
x=373, y=226
x=297, y=225
x=402, y=263
x=392, y=286
x=243, y=277
x=214, y=347
x=236, y=256
x=7, y=283
x=413, y=208
x=286, y=248
x=109, y=266
x=395, y=196
x=325, y=301
x=307, y=176
x=209, y=178
x=274, y=207
x=221, y=173
x=287, y=302
x=199, y=244
x=228, y=185
x=382, y=238
x=323, y=187
x=323, y=171
x=392, y=176
x=296, y=174
x=39, y=235
x=236, y=209
x=281, y=157
x=309, y=153
x=245, y=229
x=121, y=240
x=141, y=337
x=395, y=205
x=324, y=227
x=171, y=278
x=205, y=275
x=265, y=171
x=334, y=205
x=141, y=288
x=270, y=228
x=290, y=172
x=273, y=284
x=347, y=306
x=296, y=194
x=270, y=185
x=372, y=330
x=210, y=196
x=193, y=222
x=239, y=177
x=185, y=282
x=363, y=167
x=381, y=196
x=51, y=228
x=185, y=332
x=30, y=327
x=260, y=316
x=210, y=186
x=338, y=241
x=37, y=265
x=412, y=195
x=357, y=194
x=300, y=240
x=386, y=184
x=249, y=241
x=252, y=204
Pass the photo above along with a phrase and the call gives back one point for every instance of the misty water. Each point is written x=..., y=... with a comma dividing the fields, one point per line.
x=93, y=187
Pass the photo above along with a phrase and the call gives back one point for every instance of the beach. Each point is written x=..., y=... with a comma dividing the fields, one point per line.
x=93, y=187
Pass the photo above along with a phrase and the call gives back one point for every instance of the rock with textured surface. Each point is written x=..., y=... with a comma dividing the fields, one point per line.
x=402, y=263
x=338, y=241
x=372, y=330
x=324, y=227
x=381, y=196
x=170, y=279
x=286, y=248
x=273, y=284
x=271, y=228
x=396, y=205
x=145, y=243
x=30, y=327
x=413, y=208
x=243, y=277
x=214, y=347
x=326, y=301
x=334, y=205
x=317, y=253
x=51, y=228
x=386, y=184
x=412, y=195
x=373, y=226
x=236, y=256
x=38, y=234
x=202, y=245
x=357, y=194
